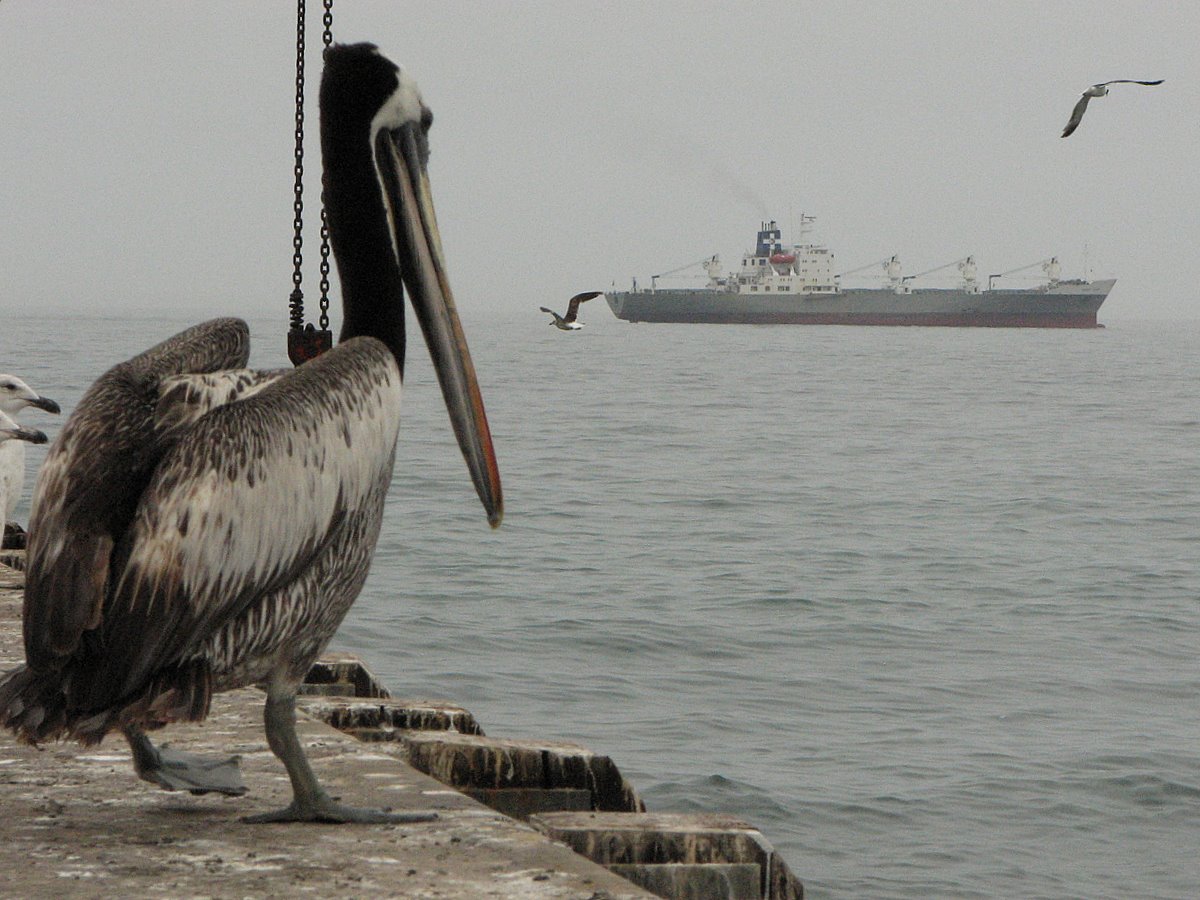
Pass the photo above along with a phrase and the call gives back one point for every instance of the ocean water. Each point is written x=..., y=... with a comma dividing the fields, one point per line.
x=920, y=604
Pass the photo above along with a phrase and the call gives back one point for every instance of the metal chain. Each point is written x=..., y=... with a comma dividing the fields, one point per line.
x=305, y=342
x=296, y=301
x=327, y=21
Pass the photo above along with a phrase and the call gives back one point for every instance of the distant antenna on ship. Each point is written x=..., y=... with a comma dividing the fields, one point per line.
x=806, y=226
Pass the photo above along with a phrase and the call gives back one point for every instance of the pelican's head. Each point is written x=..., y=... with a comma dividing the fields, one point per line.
x=11, y=431
x=15, y=395
x=384, y=234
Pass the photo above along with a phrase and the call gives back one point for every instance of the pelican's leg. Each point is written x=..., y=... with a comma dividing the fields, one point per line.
x=310, y=803
x=175, y=770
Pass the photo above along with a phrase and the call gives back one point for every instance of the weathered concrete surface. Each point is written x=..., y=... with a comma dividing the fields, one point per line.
x=710, y=881
x=387, y=718
x=78, y=823
x=342, y=674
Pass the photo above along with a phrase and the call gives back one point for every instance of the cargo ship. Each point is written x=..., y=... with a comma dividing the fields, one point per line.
x=797, y=285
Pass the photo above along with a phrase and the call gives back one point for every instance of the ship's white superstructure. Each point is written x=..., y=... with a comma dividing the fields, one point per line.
x=803, y=268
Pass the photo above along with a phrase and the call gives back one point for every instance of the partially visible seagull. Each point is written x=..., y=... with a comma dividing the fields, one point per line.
x=1096, y=90
x=11, y=431
x=13, y=435
x=15, y=395
x=567, y=322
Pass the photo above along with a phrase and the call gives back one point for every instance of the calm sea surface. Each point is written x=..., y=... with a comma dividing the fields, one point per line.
x=921, y=604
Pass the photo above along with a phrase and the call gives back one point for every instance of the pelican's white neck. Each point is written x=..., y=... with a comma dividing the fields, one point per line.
x=401, y=108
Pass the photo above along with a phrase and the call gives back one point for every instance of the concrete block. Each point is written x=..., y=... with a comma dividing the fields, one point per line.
x=476, y=762
x=342, y=674
x=672, y=838
x=521, y=803
x=711, y=881
x=386, y=719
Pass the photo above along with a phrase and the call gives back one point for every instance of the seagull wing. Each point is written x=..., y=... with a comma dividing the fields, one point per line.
x=1076, y=115
x=573, y=306
x=557, y=317
x=1131, y=81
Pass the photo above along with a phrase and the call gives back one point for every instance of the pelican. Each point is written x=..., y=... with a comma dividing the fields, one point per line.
x=1096, y=90
x=198, y=526
x=16, y=395
x=568, y=322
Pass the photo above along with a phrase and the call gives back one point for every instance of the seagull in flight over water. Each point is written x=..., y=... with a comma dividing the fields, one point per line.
x=1096, y=90
x=567, y=322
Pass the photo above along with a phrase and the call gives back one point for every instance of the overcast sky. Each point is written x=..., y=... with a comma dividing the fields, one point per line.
x=145, y=146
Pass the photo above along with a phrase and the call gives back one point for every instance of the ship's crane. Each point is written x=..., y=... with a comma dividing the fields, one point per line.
x=957, y=262
x=1049, y=265
x=878, y=262
x=699, y=262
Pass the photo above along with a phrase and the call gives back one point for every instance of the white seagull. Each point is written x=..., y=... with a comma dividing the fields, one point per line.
x=16, y=395
x=13, y=435
x=1096, y=90
x=568, y=322
x=198, y=527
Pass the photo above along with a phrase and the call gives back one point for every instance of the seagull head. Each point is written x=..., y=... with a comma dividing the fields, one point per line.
x=11, y=431
x=15, y=395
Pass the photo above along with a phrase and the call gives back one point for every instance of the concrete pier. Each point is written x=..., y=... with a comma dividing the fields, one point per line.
x=78, y=822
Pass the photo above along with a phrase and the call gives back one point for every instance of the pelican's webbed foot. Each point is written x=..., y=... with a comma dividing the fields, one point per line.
x=174, y=770
x=310, y=802
x=325, y=809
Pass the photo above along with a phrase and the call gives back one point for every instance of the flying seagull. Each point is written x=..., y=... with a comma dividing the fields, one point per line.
x=198, y=526
x=567, y=322
x=1096, y=90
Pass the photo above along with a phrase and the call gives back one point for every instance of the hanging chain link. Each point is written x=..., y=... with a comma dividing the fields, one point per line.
x=327, y=37
x=296, y=301
x=304, y=341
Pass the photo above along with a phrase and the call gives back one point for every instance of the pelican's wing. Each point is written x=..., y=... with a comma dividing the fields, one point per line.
x=183, y=399
x=1130, y=81
x=1076, y=115
x=240, y=506
x=94, y=474
x=573, y=306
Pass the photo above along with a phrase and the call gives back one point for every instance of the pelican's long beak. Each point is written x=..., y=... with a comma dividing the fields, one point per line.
x=399, y=156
